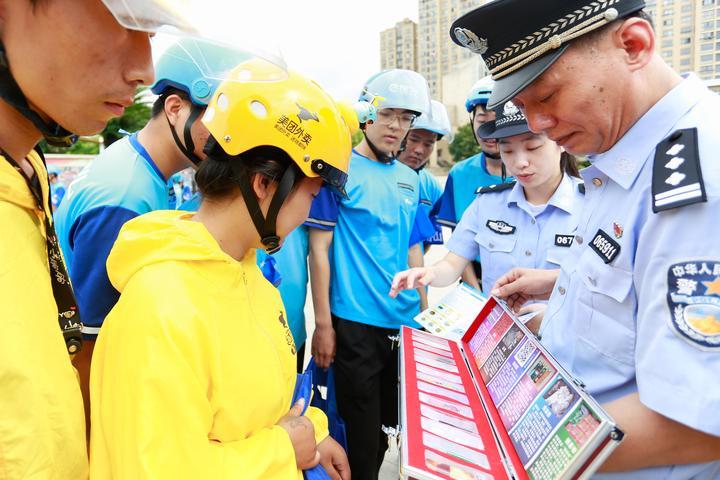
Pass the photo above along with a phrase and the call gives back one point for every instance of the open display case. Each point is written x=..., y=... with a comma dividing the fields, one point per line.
x=495, y=405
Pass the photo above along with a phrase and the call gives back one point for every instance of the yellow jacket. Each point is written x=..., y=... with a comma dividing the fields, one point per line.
x=194, y=365
x=42, y=425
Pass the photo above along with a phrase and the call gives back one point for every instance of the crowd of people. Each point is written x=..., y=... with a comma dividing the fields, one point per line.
x=154, y=332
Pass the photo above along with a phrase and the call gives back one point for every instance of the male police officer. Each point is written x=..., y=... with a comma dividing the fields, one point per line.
x=634, y=313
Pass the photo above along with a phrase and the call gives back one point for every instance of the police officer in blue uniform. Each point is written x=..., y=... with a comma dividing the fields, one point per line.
x=480, y=170
x=633, y=313
x=528, y=223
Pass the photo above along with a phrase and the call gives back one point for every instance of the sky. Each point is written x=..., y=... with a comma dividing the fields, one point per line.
x=336, y=43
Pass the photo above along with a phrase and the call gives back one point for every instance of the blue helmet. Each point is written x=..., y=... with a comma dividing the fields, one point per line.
x=479, y=94
x=196, y=67
x=438, y=122
x=398, y=89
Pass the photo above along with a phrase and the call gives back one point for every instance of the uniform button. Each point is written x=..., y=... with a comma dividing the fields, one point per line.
x=579, y=239
x=597, y=182
x=592, y=281
x=491, y=245
x=561, y=290
x=528, y=253
x=533, y=221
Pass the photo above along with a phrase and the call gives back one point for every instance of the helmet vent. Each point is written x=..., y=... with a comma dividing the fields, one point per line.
x=223, y=102
x=259, y=109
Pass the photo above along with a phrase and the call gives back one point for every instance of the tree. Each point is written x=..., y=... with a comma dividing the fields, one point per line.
x=134, y=118
x=357, y=138
x=464, y=145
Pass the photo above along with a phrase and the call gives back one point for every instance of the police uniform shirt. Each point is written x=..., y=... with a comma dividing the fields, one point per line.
x=502, y=231
x=638, y=307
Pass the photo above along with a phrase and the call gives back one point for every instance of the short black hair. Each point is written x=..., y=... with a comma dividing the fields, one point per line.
x=216, y=179
x=159, y=104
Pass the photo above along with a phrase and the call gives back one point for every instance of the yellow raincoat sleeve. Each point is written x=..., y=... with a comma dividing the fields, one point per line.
x=151, y=402
x=319, y=421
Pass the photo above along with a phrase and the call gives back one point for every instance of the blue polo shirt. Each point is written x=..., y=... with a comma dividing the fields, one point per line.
x=120, y=184
x=463, y=181
x=430, y=195
x=373, y=230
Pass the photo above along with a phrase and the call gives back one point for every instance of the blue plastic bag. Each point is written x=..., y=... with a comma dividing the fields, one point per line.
x=326, y=378
x=304, y=389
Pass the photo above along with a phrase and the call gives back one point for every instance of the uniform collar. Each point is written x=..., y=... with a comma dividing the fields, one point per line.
x=624, y=161
x=563, y=198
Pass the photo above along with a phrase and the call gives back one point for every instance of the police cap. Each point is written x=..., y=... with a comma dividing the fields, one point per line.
x=520, y=39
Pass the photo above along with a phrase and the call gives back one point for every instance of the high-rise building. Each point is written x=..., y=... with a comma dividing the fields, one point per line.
x=437, y=54
x=688, y=35
x=398, y=46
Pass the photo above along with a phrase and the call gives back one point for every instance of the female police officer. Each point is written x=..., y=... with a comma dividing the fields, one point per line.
x=529, y=223
x=194, y=368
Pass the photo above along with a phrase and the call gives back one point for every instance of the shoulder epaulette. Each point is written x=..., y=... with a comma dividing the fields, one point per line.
x=677, y=177
x=581, y=188
x=495, y=188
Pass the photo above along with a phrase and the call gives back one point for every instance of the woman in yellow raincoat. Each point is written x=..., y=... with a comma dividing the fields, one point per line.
x=194, y=369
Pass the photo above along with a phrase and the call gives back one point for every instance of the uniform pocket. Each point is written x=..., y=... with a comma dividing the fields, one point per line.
x=610, y=325
x=556, y=255
x=496, y=255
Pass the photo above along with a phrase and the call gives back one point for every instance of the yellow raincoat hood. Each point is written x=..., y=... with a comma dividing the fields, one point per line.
x=195, y=364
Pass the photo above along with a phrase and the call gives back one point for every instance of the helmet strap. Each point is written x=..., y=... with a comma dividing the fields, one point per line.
x=381, y=157
x=266, y=225
x=10, y=91
x=188, y=149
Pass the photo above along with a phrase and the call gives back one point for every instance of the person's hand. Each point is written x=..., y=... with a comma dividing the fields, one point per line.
x=302, y=436
x=521, y=285
x=323, y=345
x=410, y=279
x=334, y=459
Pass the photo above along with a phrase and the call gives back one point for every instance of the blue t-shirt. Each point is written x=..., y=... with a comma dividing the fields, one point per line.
x=430, y=194
x=120, y=184
x=57, y=192
x=462, y=183
x=373, y=230
x=291, y=263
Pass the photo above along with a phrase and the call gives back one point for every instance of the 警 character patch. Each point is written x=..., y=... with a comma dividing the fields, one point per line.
x=564, y=240
x=605, y=246
x=501, y=227
x=694, y=301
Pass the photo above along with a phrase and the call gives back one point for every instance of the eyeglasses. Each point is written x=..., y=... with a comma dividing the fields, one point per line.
x=387, y=116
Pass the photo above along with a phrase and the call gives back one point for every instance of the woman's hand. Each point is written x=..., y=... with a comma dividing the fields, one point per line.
x=334, y=459
x=302, y=436
x=521, y=285
x=411, y=279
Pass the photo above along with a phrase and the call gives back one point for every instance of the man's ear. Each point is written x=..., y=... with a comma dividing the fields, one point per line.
x=637, y=38
x=173, y=106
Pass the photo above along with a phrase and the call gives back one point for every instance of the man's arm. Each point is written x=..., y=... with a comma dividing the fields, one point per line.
x=323, y=341
x=653, y=440
x=416, y=260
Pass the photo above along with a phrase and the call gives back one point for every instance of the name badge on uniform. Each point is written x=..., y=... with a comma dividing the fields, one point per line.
x=694, y=300
x=501, y=227
x=605, y=246
x=564, y=240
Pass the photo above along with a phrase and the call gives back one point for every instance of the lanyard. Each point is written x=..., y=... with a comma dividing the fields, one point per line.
x=68, y=313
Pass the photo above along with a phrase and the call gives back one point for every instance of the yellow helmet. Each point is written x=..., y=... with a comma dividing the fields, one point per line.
x=260, y=104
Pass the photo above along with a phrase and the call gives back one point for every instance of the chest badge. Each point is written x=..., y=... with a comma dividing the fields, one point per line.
x=694, y=300
x=605, y=246
x=501, y=227
x=617, y=230
x=564, y=240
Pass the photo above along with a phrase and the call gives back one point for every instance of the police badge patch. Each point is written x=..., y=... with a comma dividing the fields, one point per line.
x=501, y=227
x=694, y=301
